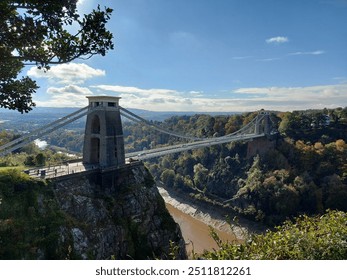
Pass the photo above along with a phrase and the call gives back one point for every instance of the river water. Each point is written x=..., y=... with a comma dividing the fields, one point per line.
x=196, y=234
x=194, y=223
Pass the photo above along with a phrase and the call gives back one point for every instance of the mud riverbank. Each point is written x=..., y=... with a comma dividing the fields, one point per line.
x=195, y=217
x=196, y=234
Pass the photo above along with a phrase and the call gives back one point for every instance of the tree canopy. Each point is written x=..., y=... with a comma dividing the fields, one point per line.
x=34, y=32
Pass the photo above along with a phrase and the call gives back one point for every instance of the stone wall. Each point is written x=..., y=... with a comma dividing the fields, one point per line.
x=259, y=146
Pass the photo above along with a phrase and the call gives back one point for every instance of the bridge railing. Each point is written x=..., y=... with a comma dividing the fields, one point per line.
x=54, y=171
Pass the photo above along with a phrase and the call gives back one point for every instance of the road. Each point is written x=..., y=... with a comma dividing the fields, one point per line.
x=67, y=168
x=147, y=154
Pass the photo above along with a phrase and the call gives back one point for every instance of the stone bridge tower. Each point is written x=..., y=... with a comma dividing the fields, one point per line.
x=103, y=140
x=263, y=123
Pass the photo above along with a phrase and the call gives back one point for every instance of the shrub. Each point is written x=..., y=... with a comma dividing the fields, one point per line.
x=307, y=238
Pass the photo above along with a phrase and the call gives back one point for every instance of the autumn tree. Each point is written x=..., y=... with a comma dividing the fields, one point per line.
x=200, y=175
x=34, y=32
x=168, y=178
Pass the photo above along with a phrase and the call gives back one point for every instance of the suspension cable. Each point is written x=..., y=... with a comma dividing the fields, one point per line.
x=27, y=138
x=131, y=116
x=134, y=117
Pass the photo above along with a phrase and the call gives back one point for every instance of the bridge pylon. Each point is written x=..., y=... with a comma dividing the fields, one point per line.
x=103, y=139
x=267, y=124
x=263, y=123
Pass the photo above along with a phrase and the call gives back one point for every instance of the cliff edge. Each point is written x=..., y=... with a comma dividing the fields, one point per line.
x=118, y=215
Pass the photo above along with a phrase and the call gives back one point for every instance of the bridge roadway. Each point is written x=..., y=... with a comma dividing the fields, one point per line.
x=65, y=168
x=147, y=154
x=77, y=166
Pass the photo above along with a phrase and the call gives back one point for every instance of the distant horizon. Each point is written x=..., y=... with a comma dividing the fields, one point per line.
x=175, y=112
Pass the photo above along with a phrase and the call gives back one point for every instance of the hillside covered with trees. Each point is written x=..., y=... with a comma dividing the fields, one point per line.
x=303, y=171
x=295, y=179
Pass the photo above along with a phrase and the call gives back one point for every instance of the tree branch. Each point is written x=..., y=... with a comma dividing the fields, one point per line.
x=18, y=6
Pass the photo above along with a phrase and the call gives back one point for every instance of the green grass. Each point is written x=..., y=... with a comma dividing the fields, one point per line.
x=19, y=168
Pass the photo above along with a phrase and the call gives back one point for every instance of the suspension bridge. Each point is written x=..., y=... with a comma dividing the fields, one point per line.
x=104, y=144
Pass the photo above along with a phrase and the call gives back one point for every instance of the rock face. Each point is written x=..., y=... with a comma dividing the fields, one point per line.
x=259, y=146
x=117, y=215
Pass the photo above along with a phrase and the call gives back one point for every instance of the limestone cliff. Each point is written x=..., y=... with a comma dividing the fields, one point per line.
x=95, y=215
x=123, y=219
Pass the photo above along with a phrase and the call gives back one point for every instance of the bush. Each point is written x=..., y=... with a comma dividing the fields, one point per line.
x=29, y=218
x=307, y=238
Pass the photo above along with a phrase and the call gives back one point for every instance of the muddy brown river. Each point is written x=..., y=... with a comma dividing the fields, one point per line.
x=196, y=233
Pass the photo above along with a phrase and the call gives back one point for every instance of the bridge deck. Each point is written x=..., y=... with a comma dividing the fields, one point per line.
x=247, y=133
x=60, y=170
x=147, y=154
x=78, y=166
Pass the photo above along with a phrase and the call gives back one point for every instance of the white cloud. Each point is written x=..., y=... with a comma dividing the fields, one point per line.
x=318, y=52
x=296, y=98
x=71, y=89
x=341, y=80
x=70, y=73
x=243, y=99
x=277, y=40
x=268, y=59
x=154, y=99
x=195, y=93
x=283, y=93
x=241, y=57
x=68, y=96
x=133, y=90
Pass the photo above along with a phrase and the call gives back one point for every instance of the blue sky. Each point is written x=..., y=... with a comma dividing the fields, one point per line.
x=212, y=55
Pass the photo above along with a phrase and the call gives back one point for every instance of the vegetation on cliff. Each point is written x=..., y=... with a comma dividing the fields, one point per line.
x=307, y=238
x=29, y=219
x=80, y=219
